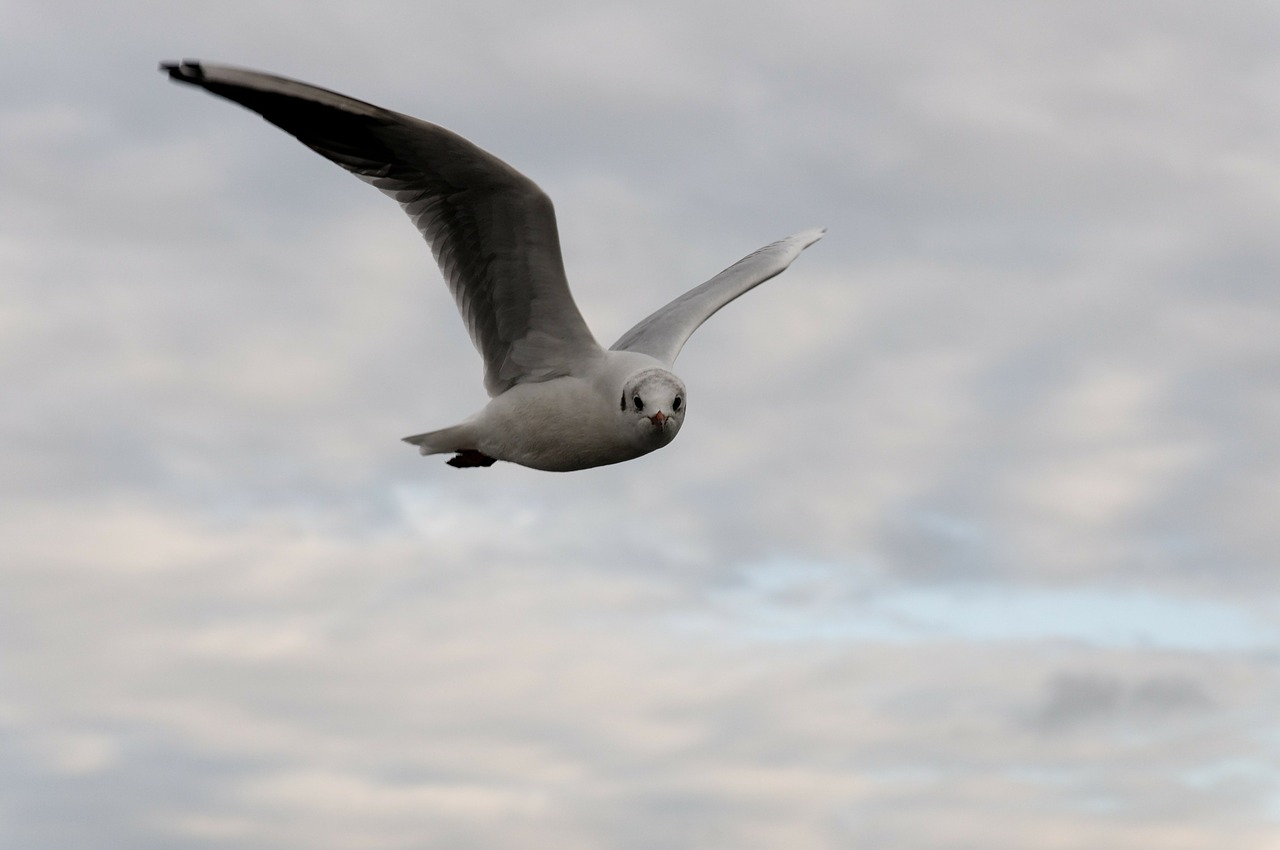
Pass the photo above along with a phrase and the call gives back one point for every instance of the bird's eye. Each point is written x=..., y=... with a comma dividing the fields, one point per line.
x=675, y=405
x=635, y=399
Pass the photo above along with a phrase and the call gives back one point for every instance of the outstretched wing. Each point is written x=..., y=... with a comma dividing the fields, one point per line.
x=664, y=333
x=492, y=230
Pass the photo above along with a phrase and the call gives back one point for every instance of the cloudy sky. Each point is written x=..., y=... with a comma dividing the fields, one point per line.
x=969, y=541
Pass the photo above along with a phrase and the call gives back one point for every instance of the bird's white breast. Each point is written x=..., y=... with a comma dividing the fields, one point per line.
x=558, y=425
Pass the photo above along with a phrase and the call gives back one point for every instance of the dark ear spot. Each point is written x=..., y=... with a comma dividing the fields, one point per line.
x=623, y=406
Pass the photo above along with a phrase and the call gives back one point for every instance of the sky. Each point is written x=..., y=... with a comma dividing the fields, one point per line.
x=969, y=539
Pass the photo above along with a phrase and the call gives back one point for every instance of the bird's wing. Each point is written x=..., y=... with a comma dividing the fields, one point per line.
x=492, y=230
x=664, y=333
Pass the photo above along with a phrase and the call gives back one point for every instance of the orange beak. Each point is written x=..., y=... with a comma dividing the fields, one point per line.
x=658, y=418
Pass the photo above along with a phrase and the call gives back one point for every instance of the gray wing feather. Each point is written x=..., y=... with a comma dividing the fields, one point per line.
x=665, y=332
x=491, y=229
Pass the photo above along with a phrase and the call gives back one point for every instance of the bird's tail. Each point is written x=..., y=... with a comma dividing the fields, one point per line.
x=454, y=439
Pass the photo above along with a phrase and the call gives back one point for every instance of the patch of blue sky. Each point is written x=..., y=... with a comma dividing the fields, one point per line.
x=798, y=602
x=1238, y=777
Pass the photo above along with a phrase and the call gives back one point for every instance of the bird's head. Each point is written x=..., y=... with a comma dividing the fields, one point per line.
x=652, y=404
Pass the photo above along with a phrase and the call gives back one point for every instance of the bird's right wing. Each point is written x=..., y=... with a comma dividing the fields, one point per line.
x=492, y=230
x=664, y=333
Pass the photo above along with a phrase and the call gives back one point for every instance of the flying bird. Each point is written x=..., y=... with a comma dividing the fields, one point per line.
x=558, y=400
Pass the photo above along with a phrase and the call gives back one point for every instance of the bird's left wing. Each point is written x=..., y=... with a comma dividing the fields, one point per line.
x=492, y=230
x=664, y=333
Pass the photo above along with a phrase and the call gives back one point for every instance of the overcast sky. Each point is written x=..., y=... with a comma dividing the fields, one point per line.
x=970, y=539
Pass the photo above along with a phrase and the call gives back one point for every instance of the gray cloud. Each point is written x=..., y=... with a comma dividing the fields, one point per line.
x=1075, y=700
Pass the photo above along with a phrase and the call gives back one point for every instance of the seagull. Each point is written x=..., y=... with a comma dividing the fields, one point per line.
x=558, y=400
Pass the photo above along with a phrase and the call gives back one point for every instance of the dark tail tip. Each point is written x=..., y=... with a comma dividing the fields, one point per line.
x=187, y=71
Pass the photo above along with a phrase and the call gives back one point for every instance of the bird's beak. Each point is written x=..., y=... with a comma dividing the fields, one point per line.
x=658, y=418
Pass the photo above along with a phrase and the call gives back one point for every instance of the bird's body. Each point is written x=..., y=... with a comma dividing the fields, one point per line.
x=560, y=401
x=571, y=422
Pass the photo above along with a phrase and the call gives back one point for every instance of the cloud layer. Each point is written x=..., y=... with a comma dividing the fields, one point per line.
x=968, y=540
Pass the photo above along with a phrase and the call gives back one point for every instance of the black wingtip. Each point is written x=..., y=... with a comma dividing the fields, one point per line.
x=187, y=71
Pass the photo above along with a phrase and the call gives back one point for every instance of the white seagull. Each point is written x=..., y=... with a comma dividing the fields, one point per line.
x=559, y=401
